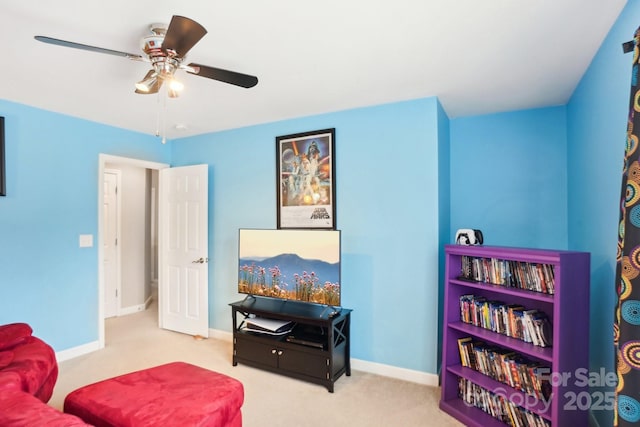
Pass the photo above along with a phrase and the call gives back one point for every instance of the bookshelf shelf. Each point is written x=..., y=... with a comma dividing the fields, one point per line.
x=529, y=402
x=565, y=305
x=542, y=353
x=521, y=293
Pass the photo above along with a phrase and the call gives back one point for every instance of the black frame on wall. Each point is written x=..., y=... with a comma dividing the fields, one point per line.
x=3, y=183
x=294, y=210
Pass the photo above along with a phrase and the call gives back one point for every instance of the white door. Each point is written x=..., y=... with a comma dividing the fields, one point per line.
x=111, y=259
x=183, y=250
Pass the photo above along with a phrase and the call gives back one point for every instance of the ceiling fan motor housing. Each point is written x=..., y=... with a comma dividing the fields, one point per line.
x=163, y=64
x=152, y=44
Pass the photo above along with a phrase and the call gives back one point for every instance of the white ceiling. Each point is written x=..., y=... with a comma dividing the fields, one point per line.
x=311, y=57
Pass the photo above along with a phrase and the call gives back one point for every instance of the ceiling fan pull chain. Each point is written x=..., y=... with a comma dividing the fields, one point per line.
x=161, y=129
x=158, y=114
x=164, y=114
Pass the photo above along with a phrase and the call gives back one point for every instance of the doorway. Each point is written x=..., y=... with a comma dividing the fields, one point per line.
x=137, y=260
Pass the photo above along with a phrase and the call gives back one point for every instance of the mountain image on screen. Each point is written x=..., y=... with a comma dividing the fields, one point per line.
x=290, y=276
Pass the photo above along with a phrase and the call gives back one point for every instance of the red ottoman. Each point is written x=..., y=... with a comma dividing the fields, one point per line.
x=175, y=394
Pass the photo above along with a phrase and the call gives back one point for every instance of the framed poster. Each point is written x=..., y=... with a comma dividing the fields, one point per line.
x=305, y=179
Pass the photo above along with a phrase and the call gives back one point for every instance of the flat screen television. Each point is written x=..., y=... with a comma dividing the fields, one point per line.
x=299, y=265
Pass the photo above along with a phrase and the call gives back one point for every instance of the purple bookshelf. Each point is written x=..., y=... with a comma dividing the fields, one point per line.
x=567, y=309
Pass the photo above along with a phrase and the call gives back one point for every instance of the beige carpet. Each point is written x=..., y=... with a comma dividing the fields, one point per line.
x=135, y=342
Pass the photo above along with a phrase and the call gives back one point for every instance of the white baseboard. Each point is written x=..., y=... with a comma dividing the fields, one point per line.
x=135, y=308
x=74, y=352
x=404, y=374
x=364, y=366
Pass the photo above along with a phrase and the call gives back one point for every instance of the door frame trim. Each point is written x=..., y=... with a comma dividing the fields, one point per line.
x=103, y=159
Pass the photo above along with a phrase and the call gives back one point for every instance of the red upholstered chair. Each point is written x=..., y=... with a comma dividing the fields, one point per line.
x=26, y=362
x=19, y=409
x=28, y=373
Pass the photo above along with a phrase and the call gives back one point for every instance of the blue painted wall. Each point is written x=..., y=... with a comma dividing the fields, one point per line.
x=444, y=207
x=46, y=279
x=509, y=177
x=387, y=190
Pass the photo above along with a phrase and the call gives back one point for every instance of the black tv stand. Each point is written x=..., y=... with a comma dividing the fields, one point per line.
x=317, y=349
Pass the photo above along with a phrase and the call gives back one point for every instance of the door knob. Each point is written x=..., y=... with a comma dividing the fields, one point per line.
x=200, y=260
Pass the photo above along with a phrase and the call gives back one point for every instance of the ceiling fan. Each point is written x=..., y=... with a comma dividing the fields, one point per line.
x=166, y=48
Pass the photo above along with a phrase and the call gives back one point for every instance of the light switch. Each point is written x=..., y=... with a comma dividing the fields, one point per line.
x=86, y=240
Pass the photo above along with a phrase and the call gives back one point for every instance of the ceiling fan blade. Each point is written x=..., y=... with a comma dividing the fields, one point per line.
x=182, y=34
x=231, y=77
x=74, y=45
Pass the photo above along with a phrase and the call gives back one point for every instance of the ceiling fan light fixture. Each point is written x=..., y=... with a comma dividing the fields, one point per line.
x=176, y=85
x=148, y=83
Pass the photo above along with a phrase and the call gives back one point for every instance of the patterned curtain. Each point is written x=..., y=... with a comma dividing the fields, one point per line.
x=627, y=314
